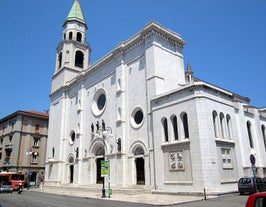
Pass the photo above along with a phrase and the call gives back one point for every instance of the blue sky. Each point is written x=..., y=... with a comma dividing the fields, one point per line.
x=226, y=42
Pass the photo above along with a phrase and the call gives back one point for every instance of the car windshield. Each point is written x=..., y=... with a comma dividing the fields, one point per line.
x=245, y=180
x=6, y=183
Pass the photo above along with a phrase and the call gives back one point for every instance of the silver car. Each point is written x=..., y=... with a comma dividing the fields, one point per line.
x=6, y=186
x=250, y=185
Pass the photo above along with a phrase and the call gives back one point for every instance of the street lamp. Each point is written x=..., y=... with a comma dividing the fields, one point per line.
x=30, y=153
x=102, y=132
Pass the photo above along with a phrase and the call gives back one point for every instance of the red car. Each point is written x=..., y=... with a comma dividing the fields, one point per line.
x=256, y=200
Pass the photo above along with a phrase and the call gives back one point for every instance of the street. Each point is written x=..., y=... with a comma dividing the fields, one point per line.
x=39, y=199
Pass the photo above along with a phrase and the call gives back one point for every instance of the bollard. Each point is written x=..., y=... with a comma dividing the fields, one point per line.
x=204, y=193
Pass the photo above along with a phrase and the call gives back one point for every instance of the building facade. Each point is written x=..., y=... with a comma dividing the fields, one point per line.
x=23, y=138
x=141, y=109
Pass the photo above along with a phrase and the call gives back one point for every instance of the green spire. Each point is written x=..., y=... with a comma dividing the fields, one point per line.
x=76, y=13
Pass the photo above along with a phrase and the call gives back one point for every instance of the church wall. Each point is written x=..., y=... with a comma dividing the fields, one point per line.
x=206, y=169
x=247, y=114
x=165, y=67
x=170, y=178
x=146, y=104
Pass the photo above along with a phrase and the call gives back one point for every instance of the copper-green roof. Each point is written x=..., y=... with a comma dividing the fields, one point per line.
x=76, y=13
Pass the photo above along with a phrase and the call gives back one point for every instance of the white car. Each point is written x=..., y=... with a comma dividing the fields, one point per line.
x=6, y=186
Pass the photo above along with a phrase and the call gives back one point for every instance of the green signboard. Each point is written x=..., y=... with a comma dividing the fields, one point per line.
x=104, y=168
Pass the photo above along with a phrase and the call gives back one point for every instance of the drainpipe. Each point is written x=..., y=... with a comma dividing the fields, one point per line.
x=21, y=128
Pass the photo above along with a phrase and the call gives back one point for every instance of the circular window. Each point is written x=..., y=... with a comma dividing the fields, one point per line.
x=137, y=117
x=99, y=102
x=72, y=138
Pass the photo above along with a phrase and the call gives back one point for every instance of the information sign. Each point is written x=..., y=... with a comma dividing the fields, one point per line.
x=104, y=168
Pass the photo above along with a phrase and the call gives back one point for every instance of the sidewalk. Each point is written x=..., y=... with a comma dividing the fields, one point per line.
x=127, y=195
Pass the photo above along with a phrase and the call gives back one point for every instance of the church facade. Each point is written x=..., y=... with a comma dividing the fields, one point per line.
x=143, y=111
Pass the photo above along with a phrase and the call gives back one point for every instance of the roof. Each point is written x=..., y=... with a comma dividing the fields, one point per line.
x=37, y=114
x=76, y=13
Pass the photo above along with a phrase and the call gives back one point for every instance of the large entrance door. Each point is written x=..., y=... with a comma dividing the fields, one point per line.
x=140, y=171
x=71, y=173
x=99, y=179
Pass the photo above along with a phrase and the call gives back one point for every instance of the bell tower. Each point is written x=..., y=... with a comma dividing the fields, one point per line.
x=72, y=53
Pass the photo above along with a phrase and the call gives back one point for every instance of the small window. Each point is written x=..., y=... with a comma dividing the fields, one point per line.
x=215, y=123
x=251, y=144
x=175, y=127
x=222, y=124
x=185, y=125
x=36, y=143
x=60, y=60
x=72, y=137
x=226, y=158
x=37, y=127
x=70, y=35
x=34, y=158
x=263, y=136
x=53, y=152
x=79, y=37
x=165, y=130
x=229, y=129
x=79, y=59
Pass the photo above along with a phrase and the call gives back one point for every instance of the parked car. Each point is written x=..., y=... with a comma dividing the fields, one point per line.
x=6, y=186
x=250, y=185
x=256, y=200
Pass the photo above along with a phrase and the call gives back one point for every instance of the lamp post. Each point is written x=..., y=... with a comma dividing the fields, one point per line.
x=103, y=137
x=30, y=153
x=102, y=133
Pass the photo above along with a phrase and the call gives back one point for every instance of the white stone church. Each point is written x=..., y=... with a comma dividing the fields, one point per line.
x=141, y=109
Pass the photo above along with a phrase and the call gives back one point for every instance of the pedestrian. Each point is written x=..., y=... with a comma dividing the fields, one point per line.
x=41, y=184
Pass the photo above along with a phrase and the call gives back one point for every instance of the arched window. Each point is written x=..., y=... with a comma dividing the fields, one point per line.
x=165, y=130
x=79, y=59
x=229, y=128
x=263, y=135
x=60, y=60
x=139, y=151
x=79, y=37
x=185, y=125
x=215, y=123
x=222, y=124
x=99, y=151
x=175, y=129
x=70, y=35
x=250, y=135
